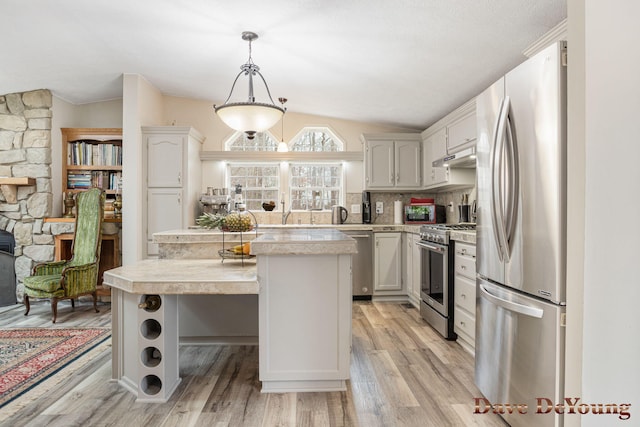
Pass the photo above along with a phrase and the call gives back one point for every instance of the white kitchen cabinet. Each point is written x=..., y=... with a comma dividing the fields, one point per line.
x=173, y=179
x=465, y=295
x=411, y=267
x=387, y=272
x=393, y=161
x=304, y=321
x=434, y=147
x=462, y=133
x=449, y=134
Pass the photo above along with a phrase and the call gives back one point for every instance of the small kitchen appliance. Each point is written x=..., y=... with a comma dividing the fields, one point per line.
x=338, y=214
x=366, y=207
x=424, y=213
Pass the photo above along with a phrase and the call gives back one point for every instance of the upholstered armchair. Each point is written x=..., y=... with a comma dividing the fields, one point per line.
x=78, y=276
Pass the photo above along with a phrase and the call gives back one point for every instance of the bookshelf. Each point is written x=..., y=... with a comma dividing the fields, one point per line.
x=91, y=157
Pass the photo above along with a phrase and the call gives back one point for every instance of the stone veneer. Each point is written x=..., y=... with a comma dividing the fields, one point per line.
x=25, y=151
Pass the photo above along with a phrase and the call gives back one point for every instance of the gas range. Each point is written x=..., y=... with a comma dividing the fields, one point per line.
x=439, y=233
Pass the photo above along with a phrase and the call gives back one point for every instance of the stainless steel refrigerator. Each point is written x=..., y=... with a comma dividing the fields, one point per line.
x=521, y=243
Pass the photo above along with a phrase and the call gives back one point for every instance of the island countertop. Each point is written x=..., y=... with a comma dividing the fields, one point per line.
x=182, y=277
x=303, y=241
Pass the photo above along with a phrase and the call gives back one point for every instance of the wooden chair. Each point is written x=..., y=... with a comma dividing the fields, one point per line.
x=60, y=280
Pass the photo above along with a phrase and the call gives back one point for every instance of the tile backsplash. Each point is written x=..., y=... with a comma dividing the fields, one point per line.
x=450, y=200
x=387, y=198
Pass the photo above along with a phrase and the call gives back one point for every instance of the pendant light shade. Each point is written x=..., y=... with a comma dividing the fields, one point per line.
x=250, y=116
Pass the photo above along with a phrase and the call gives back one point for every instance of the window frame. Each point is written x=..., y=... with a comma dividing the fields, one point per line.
x=341, y=187
x=278, y=175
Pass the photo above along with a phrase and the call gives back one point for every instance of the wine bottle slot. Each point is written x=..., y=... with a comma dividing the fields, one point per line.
x=151, y=357
x=151, y=384
x=150, y=329
x=151, y=303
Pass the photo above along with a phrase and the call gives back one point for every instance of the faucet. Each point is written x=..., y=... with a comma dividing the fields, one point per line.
x=311, y=209
x=285, y=215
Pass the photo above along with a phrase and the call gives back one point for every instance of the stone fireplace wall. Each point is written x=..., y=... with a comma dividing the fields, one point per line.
x=25, y=151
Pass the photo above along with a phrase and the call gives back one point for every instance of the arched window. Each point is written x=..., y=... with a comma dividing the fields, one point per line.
x=316, y=139
x=262, y=141
x=309, y=184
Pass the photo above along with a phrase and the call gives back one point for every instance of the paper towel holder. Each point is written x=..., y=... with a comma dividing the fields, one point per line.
x=398, y=212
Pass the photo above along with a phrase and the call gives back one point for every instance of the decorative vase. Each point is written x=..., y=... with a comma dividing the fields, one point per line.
x=69, y=203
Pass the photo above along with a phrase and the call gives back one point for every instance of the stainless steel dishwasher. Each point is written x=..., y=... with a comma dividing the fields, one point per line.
x=362, y=265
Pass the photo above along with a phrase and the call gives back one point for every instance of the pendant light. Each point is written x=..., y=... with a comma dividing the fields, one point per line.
x=282, y=146
x=250, y=116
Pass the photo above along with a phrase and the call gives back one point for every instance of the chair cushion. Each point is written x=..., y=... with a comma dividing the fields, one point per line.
x=43, y=286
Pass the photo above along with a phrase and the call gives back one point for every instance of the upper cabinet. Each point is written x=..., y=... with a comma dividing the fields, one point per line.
x=393, y=161
x=462, y=133
x=449, y=135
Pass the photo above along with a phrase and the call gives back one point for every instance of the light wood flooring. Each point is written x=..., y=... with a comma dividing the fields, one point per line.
x=402, y=374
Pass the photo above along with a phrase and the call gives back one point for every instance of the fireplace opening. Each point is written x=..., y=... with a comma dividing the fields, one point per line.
x=7, y=269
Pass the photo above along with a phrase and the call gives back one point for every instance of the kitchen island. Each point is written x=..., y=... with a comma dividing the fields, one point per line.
x=302, y=278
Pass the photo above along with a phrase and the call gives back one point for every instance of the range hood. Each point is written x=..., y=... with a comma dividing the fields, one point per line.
x=462, y=159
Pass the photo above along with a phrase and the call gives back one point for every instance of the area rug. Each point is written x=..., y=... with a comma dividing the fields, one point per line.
x=30, y=356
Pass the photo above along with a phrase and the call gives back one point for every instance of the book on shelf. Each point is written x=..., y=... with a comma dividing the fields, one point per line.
x=106, y=180
x=83, y=153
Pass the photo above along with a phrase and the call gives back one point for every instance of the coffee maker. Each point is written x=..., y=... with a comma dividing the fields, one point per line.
x=366, y=207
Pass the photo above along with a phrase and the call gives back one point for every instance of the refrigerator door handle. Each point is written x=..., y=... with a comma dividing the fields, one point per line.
x=510, y=305
x=497, y=176
x=512, y=174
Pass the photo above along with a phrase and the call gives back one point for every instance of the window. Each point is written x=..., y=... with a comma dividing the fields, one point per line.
x=314, y=185
x=262, y=141
x=309, y=185
x=260, y=182
x=315, y=139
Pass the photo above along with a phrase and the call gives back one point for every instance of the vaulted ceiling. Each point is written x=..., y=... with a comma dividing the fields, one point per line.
x=403, y=63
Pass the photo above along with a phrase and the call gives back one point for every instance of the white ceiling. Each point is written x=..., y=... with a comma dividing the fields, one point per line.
x=402, y=62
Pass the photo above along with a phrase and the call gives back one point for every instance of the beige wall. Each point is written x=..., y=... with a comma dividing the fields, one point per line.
x=200, y=114
x=575, y=203
x=142, y=106
x=610, y=347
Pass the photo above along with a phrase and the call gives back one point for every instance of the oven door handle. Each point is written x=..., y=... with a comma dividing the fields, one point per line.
x=431, y=247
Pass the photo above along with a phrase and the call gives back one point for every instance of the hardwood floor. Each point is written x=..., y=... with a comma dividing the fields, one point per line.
x=402, y=374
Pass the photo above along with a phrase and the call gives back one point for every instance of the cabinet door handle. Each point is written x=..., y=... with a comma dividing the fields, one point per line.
x=462, y=323
x=179, y=199
x=397, y=178
x=463, y=296
x=179, y=178
x=463, y=267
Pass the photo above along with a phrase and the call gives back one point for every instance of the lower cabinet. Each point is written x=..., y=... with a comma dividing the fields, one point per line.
x=465, y=295
x=387, y=275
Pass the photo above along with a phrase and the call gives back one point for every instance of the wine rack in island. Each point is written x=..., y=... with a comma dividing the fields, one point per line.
x=92, y=157
x=158, y=372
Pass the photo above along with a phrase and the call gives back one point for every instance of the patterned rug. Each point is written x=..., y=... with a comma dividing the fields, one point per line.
x=30, y=356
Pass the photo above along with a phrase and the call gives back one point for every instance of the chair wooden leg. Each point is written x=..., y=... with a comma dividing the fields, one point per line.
x=73, y=304
x=94, y=294
x=26, y=304
x=54, y=308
